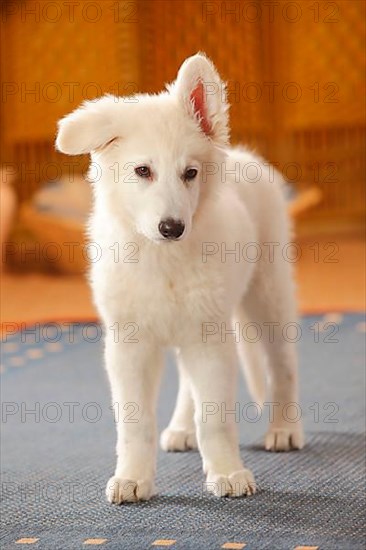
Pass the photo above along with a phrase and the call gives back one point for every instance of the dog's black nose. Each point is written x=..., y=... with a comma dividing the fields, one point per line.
x=171, y=229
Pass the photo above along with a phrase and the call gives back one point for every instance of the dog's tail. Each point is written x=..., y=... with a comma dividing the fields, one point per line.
x=253, y=363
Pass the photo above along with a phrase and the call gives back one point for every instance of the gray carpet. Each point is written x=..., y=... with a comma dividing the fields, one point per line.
x=54, y=470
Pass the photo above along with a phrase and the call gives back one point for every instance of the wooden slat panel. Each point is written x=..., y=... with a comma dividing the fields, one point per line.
x=141, y=46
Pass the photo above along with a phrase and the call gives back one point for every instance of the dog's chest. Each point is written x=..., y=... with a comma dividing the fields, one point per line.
x=157, y=285
x=166, y=295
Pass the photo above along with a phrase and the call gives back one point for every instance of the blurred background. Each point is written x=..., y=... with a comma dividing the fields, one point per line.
x=296, y=82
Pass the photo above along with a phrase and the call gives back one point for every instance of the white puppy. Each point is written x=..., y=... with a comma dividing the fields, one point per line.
x=191, y=236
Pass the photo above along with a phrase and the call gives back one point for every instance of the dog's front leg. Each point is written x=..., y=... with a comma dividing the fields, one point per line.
x=211, y=368
x=134, y=372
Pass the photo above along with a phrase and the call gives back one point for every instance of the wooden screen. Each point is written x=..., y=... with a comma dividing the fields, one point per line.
x=295, y=74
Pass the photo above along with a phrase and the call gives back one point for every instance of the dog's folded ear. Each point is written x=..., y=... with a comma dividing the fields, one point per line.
x=87, y=128
x=203, y=94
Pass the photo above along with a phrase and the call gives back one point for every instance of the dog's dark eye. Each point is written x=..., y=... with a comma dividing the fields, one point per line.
x=190, y=174
x=143, y=171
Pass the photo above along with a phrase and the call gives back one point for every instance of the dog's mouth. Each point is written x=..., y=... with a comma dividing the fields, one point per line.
x=170, y=240
x=164, y=240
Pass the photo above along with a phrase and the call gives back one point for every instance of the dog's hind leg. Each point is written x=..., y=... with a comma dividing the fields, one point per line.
x=270, y=304
x=180, y=435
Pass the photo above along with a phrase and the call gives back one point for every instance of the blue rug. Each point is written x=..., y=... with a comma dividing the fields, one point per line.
x=58, y=440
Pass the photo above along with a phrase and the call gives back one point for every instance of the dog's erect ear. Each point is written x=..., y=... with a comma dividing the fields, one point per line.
x=203, y=93
x=88, y=128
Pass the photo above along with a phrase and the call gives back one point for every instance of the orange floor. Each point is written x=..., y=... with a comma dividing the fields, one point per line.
x=330, y=275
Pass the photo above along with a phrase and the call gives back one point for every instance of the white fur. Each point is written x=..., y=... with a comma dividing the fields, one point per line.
x=170, y=293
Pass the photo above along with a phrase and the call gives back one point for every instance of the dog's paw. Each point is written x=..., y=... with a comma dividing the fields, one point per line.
x=237, y=484
x=284, y=439
x=120, y=490
x=178, y=440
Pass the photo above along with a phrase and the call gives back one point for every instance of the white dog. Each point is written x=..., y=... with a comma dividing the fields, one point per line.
x=190, y=243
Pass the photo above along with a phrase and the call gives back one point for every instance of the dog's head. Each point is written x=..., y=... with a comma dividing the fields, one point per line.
x=154, y=155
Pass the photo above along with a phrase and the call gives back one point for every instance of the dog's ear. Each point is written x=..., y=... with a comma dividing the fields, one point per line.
x=87, y=128
x=203, y=94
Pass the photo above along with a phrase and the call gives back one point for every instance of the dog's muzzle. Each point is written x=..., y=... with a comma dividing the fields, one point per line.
x=171, y=229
